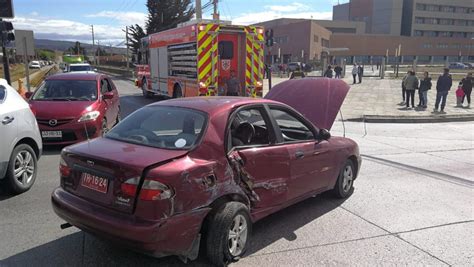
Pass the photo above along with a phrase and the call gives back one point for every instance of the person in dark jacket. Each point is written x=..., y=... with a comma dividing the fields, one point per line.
x=425, y=85
x=338, y=71
x=360, y=72
x=466, y=85
x=328, y=73
x=442, y=89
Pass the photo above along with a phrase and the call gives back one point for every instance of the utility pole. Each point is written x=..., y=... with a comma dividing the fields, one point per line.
x=93, y=42
x=98, y=53
x=126, y=40
x=6, y=68
x=215, y=15
x=198, y=10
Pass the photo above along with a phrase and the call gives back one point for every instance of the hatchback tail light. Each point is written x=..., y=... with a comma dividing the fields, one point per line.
x=64, y=169
x=151, y=189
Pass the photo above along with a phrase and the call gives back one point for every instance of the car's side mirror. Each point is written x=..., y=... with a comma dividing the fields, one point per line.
x=324, y=134
x=108, y=95
x=28, y=95
x=95, y=70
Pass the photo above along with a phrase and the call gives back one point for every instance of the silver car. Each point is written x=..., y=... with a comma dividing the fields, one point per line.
x=20, y=141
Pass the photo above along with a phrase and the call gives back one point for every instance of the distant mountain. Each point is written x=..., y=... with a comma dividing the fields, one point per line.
x=65, y=45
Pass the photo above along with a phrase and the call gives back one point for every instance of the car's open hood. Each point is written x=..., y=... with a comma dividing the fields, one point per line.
x=318, y=99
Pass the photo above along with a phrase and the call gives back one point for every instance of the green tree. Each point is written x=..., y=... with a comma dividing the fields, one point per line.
x=77, y=49
x=166, y=14
x=46, y=54
x=135, y=34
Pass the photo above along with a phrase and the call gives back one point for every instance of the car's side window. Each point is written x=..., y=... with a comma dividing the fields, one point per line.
x=3, y=93
x=249, y=128
x=291, y=127
x=105, y=86
x=110, y=88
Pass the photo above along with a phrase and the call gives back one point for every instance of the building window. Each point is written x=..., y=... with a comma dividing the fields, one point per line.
x=419, y=20
x=456, y=46
x=471, y=22
x=462, y=10
x=427, y=45
x=418, y=33
x=458, y=35
x=420, y=7
x=460, y=22
x=281, y=39
x=447, y=9
x=431, y=21
x=430, y=33
x=442, y=46
x=446, y=21
x=316, y=38
x=324, y=42
x=434, y=8
x=444, y=34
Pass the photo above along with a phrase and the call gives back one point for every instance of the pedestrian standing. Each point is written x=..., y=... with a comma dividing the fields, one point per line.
x=354, y=72
x=425, y=85
x=328, y=72
x=411, y=84
x=232, y=85
x=360, y=72
x=443, y=85
x=338, y=71
x=404, y=89
x=466, y=84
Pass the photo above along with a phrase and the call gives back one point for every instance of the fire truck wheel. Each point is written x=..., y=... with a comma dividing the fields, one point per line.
x=177, y=92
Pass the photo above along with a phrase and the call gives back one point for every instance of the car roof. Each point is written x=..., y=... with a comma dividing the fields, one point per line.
x=76, y=76
x=213, y=104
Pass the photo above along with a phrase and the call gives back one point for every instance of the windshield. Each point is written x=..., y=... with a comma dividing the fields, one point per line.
x=80, y=68
x=67, y=90
x=161, y=127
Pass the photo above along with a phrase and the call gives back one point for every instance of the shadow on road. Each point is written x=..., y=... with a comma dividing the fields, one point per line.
x=81, y=249
x=49, y=150
x=130, y=103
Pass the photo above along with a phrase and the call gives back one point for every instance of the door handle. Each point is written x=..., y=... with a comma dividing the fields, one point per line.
x=299, y=154
x=7, y=120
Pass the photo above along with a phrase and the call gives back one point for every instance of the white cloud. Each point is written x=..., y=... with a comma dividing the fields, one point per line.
x=287, y=8
x=124, y=18
x=252, y=18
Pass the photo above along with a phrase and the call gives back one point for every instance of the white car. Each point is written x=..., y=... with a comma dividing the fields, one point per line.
x=80, y=67
x=35, y=65
x=20, y=142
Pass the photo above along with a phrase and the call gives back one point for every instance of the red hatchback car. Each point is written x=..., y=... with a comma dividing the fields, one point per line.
x=74, y=107
x=185, y=173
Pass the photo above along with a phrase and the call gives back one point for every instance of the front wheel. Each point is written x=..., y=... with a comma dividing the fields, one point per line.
x=228, y=234
x=345, y=182
x=22, y=169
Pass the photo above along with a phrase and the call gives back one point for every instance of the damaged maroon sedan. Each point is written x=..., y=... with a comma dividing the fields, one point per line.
x=191, y=172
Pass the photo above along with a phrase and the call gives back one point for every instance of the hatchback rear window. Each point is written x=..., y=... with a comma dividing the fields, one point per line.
x=67, y=90
x=162, y=127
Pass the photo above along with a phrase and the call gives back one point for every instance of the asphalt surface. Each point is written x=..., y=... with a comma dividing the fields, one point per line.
x=413, y=204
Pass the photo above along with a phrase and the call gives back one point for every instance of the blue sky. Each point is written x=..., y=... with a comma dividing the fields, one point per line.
x=71, y=19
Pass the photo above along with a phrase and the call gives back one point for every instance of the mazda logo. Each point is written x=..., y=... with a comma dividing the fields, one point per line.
x=90, y=162
x=53, y=122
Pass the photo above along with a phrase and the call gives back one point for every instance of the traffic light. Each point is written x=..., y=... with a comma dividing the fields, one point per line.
x=269, y=37
x=6, y=29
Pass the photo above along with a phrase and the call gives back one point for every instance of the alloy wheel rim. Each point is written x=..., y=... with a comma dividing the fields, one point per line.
x=24, y=167
x=348, y=178
x=237, y=235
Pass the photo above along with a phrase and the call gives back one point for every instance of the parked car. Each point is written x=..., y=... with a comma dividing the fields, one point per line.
x=80, y=67
x=35, y=65
x=20, y=142
x=458, y=65
x=292, y=66
x=179, y=170
x=469, y=65
x=73, y=107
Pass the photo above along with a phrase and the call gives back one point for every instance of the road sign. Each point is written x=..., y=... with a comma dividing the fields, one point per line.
x=6, y=9
x=21, y=36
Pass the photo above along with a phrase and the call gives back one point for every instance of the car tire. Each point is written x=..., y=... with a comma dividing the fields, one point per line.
x=177, y=92
x=145, y=92
x=104, y=128
x=24, y=163
x=221, y=248
x=345, y=181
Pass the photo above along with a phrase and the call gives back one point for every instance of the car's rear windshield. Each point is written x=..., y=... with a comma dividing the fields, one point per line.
x=67, y=90
x=80, y=68
x=162, y=127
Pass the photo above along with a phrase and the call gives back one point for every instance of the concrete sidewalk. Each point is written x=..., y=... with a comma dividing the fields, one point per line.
x=377, y=100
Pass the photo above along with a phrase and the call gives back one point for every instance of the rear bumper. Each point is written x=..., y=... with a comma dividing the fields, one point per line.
x=171, y=236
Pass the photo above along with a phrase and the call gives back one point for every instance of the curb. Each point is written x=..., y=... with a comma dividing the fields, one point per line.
x=414, y=119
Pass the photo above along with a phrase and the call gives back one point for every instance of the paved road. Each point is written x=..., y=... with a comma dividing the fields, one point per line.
x=413, y=205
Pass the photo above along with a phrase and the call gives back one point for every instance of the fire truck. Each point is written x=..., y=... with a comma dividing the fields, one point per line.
x=196, y=59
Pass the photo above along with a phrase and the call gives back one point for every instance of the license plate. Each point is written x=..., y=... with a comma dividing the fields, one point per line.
x=93, y=182
x=52, y=134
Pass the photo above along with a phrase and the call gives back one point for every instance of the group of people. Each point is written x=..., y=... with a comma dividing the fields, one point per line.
x=337, y=70
x=357, y=70
x=411, y=83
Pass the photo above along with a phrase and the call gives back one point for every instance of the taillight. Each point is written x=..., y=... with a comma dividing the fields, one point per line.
x=151, y=189
x=64, y=169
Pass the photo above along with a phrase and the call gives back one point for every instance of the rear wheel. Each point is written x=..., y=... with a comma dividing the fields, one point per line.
x=22, y=169
x=345, y=181
x=228, y=233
